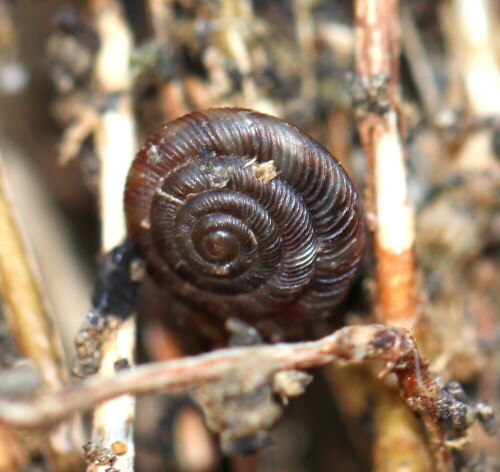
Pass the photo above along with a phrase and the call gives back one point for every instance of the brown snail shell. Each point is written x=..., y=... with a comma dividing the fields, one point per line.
x=233, y=237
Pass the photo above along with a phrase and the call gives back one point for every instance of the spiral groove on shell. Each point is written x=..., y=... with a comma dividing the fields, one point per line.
x=218, y=235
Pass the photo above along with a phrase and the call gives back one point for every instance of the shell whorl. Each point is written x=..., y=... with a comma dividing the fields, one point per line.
x=231, y=242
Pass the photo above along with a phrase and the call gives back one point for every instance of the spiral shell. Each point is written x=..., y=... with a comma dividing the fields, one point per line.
x=242, y=214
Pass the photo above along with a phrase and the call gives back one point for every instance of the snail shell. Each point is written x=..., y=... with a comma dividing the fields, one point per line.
x=242, y=214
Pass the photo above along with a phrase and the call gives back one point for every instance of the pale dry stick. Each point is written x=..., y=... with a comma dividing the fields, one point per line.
x=114, y=420
x=476, y=50
x=116, y=145
x=398, y=445
x=116, y=140
x=395, y=347
x=66, y=286
x=471, y=33
x=33, y=329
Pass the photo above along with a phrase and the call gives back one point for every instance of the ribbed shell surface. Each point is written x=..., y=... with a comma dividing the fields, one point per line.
x=231, y=243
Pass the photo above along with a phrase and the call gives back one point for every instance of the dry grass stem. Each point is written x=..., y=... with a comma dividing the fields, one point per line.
x=114, y=420
x=115, y=145
x=68, y=287
x=116, y=139
x=32, y=327
x=477, y=54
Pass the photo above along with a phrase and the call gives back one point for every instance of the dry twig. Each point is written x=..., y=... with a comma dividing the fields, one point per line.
x=377, y=68
x=395, y=347
x=376, y=94
x=115, y=145
x=33, y=329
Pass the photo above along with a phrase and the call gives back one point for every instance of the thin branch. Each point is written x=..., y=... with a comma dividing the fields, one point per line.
x=116, y=146
x=377, y=52
x=351, y=344
x=116, y=136
x=114, y=420
x=377, y=68
x=395, y=347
